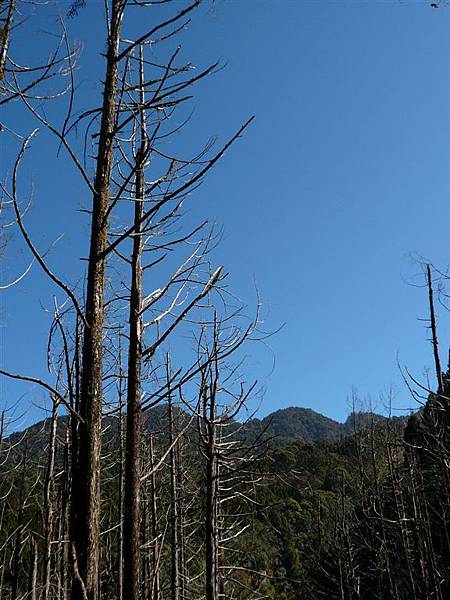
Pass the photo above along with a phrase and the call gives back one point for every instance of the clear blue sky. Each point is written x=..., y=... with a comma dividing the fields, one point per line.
x=340, y=181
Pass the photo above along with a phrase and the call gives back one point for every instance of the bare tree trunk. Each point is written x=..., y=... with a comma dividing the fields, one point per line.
x=184, y=591
x=64, y=519
x=2, y=427
x=145, y=538
x=156, y=580
x=6, y=14
x=48, y=503
x=175, y=551
x=32, y=581
x=131, y=530
x=212, y=478
x=85, y=526
x=121, y=484
x=434, y=338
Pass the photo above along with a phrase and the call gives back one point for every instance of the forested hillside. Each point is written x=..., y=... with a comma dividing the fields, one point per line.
x=356, y=515
x=277, y=429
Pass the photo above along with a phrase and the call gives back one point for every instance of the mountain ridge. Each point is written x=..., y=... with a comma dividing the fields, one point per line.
x=283, y=426
x=296, y=423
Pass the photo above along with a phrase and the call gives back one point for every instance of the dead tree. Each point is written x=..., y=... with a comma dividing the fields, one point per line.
x=131, y=529
x=119, y=175
x=155, y=586
x=7, y=8
x=33, y=571
x=434, y=337
x=85, y=501
x=230, y=463
x=175, y=584
x=49, y=500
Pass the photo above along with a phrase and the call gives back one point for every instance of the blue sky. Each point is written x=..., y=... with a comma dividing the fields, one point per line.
x=339, y=184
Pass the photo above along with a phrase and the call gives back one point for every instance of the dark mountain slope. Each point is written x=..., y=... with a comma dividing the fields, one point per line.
x=293, y=424
x=284, y=426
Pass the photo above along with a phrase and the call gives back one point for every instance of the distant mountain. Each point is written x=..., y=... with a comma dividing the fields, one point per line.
x=283, y=427
x=357, y=421
x=297, y=424
x=294, y=424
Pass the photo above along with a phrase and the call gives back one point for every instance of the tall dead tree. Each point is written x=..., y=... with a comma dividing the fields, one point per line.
x=175, y=584
x=212, y=489
x=155, y=586
x=33, y=571
x=49, y=499
x=131, y=529
x=230, y=464
x=434, y=337
x=85, y=501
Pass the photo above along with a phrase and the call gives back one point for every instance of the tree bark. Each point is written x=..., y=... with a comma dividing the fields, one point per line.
x=85, y=522
x=5, y=31
x=156, y=578
x=211, y=525
x=175, y=551
x=48, y=503
x=32, y=580
x=121, y=483
x=133, y=459
x=434, y=338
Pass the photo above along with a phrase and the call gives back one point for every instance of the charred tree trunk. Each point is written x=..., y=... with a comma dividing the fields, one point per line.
x=7, y=8
x=145, y=539
x=64, y=519
x=175, y=551
x=212, y=480
x=156, y=578
x=434, y=339
x=131, y=529
x=121, y=483
x=48, y=503
x=85, y=526
x=184, y=575
x=2, y=427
